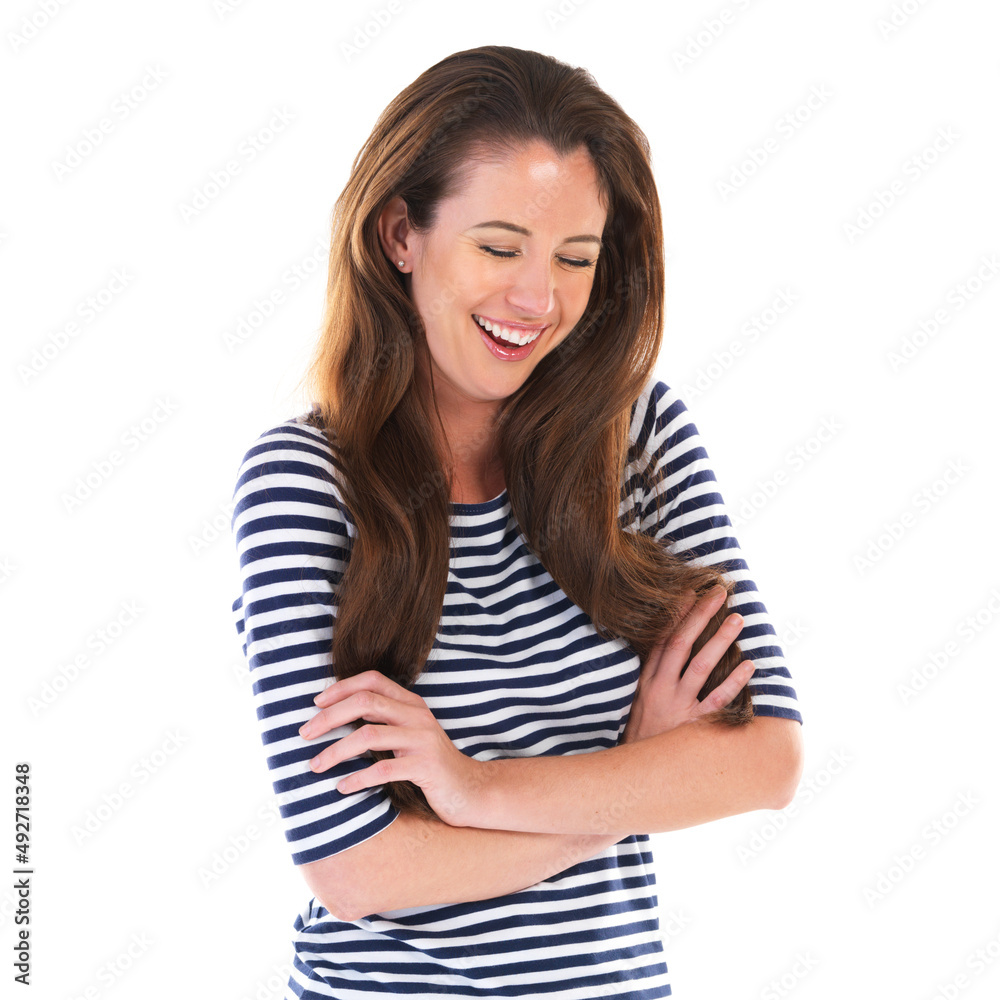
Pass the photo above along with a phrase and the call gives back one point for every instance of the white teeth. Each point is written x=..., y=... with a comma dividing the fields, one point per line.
x=504, y=333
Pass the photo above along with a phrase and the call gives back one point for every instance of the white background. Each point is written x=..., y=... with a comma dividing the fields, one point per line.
x=822, y=446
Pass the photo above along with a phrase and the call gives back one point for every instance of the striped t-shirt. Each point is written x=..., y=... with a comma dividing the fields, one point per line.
x=516, y=669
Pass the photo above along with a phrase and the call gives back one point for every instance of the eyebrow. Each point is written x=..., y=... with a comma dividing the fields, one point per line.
x=499, y=224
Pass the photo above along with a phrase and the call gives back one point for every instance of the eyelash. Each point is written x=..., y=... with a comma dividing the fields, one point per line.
x=507, y=254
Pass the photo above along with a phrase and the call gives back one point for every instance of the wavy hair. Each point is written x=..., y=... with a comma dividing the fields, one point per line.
x=563, y=436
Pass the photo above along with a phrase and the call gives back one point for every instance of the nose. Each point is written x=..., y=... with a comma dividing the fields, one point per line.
x=531, y=295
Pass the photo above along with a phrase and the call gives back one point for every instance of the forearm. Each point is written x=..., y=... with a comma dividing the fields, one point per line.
x=422, y=861
x=693, y=774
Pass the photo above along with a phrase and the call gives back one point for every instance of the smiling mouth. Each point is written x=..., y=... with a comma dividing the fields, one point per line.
x=516, y=337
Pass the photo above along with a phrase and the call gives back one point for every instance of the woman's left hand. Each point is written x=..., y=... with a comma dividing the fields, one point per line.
x=424, y=753
x=663, y=698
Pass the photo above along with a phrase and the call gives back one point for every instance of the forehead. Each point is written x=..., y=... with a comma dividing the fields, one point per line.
x=529, y=178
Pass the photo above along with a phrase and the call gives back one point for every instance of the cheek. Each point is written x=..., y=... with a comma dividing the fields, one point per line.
x=576, y=303
x=478, y=284
x=559, y=337
x=573, y=312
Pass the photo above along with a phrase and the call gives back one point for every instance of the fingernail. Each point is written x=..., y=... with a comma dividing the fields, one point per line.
x=305, y=731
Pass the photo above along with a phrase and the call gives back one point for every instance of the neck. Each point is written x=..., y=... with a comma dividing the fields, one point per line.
x=466, y=443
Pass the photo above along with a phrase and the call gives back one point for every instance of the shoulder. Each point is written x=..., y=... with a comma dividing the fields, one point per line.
x=291, y=461
x=659, y=413
x=295, y=446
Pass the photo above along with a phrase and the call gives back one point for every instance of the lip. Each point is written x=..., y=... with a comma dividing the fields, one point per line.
x=528, y=328
x=504, y=353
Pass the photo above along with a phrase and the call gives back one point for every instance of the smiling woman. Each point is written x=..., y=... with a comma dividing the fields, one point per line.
x=497, y=623
x=522, y=291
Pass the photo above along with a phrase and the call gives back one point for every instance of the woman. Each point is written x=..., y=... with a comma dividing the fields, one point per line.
x=515, y=528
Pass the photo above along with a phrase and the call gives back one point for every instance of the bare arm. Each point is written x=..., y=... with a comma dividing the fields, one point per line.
x=693, y=774
x=422, y=861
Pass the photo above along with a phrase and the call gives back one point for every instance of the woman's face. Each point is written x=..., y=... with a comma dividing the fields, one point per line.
x=516, y=245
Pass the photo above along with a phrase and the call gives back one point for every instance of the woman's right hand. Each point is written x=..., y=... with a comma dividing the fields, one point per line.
x=663, y=698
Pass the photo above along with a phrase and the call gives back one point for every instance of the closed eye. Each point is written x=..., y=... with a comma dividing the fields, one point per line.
x=572, y=261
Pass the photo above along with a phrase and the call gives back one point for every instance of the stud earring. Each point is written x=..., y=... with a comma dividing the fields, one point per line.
x=401, y=263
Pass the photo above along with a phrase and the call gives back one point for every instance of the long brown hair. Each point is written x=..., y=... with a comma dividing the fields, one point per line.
x=563, y=436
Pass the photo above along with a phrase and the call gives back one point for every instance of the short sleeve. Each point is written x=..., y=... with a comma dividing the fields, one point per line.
x=292, y=538
x=693, y=520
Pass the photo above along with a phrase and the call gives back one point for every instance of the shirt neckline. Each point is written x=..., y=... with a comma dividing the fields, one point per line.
x=480, y=508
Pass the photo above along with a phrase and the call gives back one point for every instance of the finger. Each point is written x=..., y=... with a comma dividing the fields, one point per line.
x=370, y=680
x=698, y=617
x=690, y=598
x=652, y=664
x=686, y=604
x=711, y=652
x=364, y=704
x=368, y=737
x=381, y=772
x=683, y=610
x=722, y=695
x=674, y=653
x=367, y=680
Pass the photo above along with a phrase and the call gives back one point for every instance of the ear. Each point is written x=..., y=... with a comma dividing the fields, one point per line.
x=394, y=232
